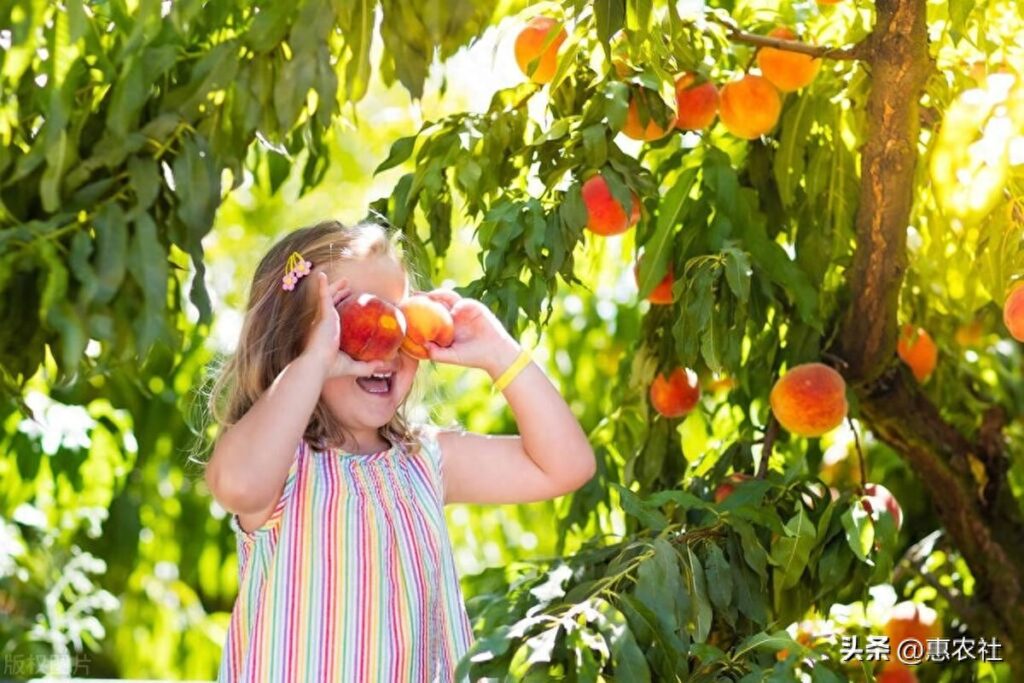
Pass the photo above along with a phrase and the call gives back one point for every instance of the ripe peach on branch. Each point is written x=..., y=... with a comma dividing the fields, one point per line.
x=605, y=216
x=786, y=70
x=696, y=103
x=917, y=349
x=809, y=400
x=537, y=47
x=676, y=394
x=641, y=122
x=749, y=107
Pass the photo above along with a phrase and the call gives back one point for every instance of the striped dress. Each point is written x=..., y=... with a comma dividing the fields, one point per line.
x=352, y=578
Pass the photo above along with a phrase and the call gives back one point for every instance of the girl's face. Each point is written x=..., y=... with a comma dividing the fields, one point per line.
x=358, y=409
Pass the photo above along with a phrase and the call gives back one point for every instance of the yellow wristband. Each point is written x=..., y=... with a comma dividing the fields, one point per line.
x=521, y=361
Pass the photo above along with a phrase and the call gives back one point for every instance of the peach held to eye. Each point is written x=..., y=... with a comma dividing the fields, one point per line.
x=371, y=328
x=428, y=321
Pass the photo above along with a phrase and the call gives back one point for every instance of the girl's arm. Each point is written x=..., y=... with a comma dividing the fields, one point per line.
x=251, y=459
x=550, y=457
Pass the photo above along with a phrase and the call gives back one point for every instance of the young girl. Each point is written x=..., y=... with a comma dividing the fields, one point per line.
x=346, y=572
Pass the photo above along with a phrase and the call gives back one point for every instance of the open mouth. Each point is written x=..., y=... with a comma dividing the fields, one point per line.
x=378, y=383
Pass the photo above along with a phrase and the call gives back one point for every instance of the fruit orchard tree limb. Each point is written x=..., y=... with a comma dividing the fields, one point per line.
x=737, y=35
x=982, y=521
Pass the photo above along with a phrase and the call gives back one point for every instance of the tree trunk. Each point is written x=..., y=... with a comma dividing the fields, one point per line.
x=966, y=480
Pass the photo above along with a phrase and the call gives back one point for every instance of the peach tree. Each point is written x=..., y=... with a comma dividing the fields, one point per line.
x=859, y=189
x=802, y=181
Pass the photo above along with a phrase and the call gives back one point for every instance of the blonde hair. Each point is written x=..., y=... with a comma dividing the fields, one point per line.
x=275, y=325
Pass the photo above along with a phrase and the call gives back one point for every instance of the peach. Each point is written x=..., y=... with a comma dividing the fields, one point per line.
x=809, y=400
x=642, y=125
x=605, y=215
x=675, y=395
x=426, y=320
x=749, y=107
x=662, y=292
x=877, y=498
x=725, y=489
x=917, y=349
x=787, y=71
x=909, y=620
x=539, y=41
x=969, y=334
x=1013, y=312
x=696, y=103
x=371, y=328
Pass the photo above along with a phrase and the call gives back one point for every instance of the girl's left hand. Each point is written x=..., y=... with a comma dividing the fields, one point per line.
x=481, y=341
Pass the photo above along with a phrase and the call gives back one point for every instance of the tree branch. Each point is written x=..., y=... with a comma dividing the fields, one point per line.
x=737, y=35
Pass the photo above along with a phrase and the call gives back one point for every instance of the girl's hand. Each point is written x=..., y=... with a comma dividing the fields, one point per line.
x=324, y=336
x=481, y=341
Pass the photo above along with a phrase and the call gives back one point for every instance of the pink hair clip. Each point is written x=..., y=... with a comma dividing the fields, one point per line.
x=297, y=268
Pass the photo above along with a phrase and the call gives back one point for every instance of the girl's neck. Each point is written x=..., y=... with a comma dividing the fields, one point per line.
x=365, y=443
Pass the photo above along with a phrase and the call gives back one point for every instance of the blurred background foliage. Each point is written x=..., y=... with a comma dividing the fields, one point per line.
x=131, y=217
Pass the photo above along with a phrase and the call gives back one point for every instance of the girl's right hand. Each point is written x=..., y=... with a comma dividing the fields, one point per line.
x=324, y=338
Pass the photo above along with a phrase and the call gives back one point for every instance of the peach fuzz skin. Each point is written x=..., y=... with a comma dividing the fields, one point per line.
x=675, y=395
x=427, y=320
x=809, y=400
x=605, y=216
x=531, y=42
x=371, y=328
x=749, y=107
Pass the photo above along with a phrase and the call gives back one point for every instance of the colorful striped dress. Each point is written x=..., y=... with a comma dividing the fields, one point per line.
x=352, y=578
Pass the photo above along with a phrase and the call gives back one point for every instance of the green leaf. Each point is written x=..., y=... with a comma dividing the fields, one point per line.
x=270, y=26
x=749, y=492
x=684, y=499
x=197, y=186
x=779, y=640
x=656, y=249
x=144, y=180
x=28, y=458
x=573, y=211
x=111, y=251
x=616, y=104
x=791, y=552
x=595, y=145
x=860, y=531
x=834, y=564
x=665, y=653
x=788, y=164
x=700, y=606
x=769, y=256
x=753, y=552
x=401, y=150
x=627, y=658
x=718, y=577
x=737, y=272
x=959, y=11
x=632, y=505
x=609, y=15
x=147, y=264
x=657, y=582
